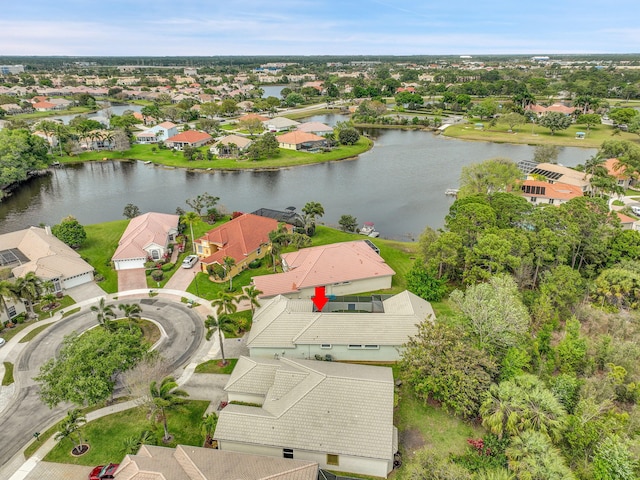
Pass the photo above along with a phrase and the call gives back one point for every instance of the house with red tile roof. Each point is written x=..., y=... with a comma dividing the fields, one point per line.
x=556, y=107
x=147, y=236
x=618, y=171
x=540, y=192
x=192, y=138
x=253, y=116
x=298, y=140
x=342, y=268
x=627, y=222
x=245, y=238
x=44, y=106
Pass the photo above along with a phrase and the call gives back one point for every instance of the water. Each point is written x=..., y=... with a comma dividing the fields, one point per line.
x=100, y=114
x=272, y=90
x=399, y=185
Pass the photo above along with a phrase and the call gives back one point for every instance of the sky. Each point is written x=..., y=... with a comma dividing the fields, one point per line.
x=319, y=27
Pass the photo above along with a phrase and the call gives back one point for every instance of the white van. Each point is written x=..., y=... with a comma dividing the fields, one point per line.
x=636, y=209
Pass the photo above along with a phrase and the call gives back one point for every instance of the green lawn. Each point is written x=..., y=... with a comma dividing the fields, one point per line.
x=106, y=435
x=523, y=134
x=8, y=374
x=54, y=113
x=33, y=333
x=286, y=158
x=100, y=245
x=205, y=288
x=213, y=366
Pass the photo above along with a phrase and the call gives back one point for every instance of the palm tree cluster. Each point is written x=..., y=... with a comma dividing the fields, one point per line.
x=105, y=313
x=29, y=289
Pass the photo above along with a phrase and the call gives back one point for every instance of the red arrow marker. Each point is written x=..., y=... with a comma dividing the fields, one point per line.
x=320, y=300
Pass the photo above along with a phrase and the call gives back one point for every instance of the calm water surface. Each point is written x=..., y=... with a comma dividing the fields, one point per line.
x=399, y=185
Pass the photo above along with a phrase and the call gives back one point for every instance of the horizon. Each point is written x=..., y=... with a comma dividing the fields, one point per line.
x=126, y=28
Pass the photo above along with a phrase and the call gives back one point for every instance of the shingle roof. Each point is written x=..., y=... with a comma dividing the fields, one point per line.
x=284, y=323
x=281, y=122
x=240, y=142
x=296, y=137
x=314, y=127
x=196, y=463
x=239, y=237
x=142, y=231
x=328, y=407
x=48, y=256
x=324, y=265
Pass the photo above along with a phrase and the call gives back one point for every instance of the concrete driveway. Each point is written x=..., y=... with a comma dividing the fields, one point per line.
x=58, y=471
x=134, y=279
x=85, y=292
x=183, y=277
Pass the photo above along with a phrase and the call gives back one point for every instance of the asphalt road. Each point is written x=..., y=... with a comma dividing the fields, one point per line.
x=27, y=414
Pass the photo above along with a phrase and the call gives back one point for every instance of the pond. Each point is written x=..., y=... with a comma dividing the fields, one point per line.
x=399, y=185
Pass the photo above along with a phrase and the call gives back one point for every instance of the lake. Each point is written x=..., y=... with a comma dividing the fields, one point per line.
x=399, y=185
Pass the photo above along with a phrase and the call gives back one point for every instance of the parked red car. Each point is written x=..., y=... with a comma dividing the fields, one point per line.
x=103, y=472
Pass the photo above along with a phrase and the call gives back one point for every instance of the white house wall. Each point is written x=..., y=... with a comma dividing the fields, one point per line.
x=348, y=288
x=70, y=282
x=360, y=465
x=385, y=353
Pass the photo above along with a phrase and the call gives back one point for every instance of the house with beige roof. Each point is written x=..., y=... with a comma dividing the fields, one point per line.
x=280, y=124
x=554, y=173
x=298, y=140
x=147, y=236
x=245, y=239
x=230, y=145
x=336, y=414
x=362, y=329
x=37, y=250
x=342, y=268
x=197, y=463
x=317, y=128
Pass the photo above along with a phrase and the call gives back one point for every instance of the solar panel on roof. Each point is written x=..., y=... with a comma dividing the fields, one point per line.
x=546, y=173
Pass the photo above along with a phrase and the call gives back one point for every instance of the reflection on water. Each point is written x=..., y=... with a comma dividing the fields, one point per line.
x=399, y=185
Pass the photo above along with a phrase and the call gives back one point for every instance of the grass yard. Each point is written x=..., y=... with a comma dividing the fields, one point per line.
x=100, y=245
x=107, y=435
x=540, y=136
x=421, y=425
x=8, y=374
x=63, y=302
x=172, y=158
x=33, y=333
x=213, y=366
x=205, y=288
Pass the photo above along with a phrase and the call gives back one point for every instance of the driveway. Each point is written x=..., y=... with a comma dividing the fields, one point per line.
x=183, y=277
x=134, y=279
x=85, y=292
x=58, y=471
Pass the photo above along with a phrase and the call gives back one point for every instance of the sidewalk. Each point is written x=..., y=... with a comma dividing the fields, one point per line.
x=20, y=469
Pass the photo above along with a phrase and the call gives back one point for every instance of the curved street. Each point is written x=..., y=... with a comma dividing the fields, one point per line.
x=26, y=414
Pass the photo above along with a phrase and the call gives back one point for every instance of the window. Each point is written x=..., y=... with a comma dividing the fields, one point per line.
x=155, y=254
x=325, y=345
x=351, y=307
x=12, y=311
x=287, y=453
x=372, y=347
x=333, y=459
x=355, y=346
x=551, y=201
x=364, y=347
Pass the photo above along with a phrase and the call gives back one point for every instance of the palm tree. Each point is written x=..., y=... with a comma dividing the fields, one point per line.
x=312, y=210
x=70, y=425
x=251, y=294
x=28, y=288
x=224, y=324
x=131, y=311
x=208, y=426
x=531, y=455
x=6, y=292
x=225, y=303
x=104, y=313
x=229, y=263
x=190, y=218
x=165, y=396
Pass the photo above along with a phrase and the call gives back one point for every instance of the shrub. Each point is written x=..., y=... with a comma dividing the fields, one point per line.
x=257, y=263
x=150, y=264
x=20, y=318
x=157, y=275
x=167, y=267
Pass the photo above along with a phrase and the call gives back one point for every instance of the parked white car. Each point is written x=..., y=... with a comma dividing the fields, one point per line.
x=189, y=261
x=635, y=209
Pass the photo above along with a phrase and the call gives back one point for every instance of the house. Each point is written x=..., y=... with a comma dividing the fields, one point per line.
x=539, y=192
x=298, y=140
x=317, y=128
x=147, y=236
x=164, y=131
x=618, y=171
x=245, y=238
x=192, y=138
x=338, y=415
x=362, y=329
x=44, y=106
x=280, y=124
x=253, y=116
x=146, y=137
x=627, y=222
x=197, y=463
x=539, y=110
x=230, y=145
x=554, y=173
x=342, y=268
x=38, y=250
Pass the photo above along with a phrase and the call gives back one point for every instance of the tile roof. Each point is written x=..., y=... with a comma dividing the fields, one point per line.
x=48, y=256
x=616, y=169
x=314, y=127
x=253, y=116
x=238, y=237
x=281, y=122
x=142, y=231
x=560, y=191
x=197, y=463
x=240, y=142
x=332, y=407
x=190, y=136
x=324, y=265
x=281, y=322
x=296, y=137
